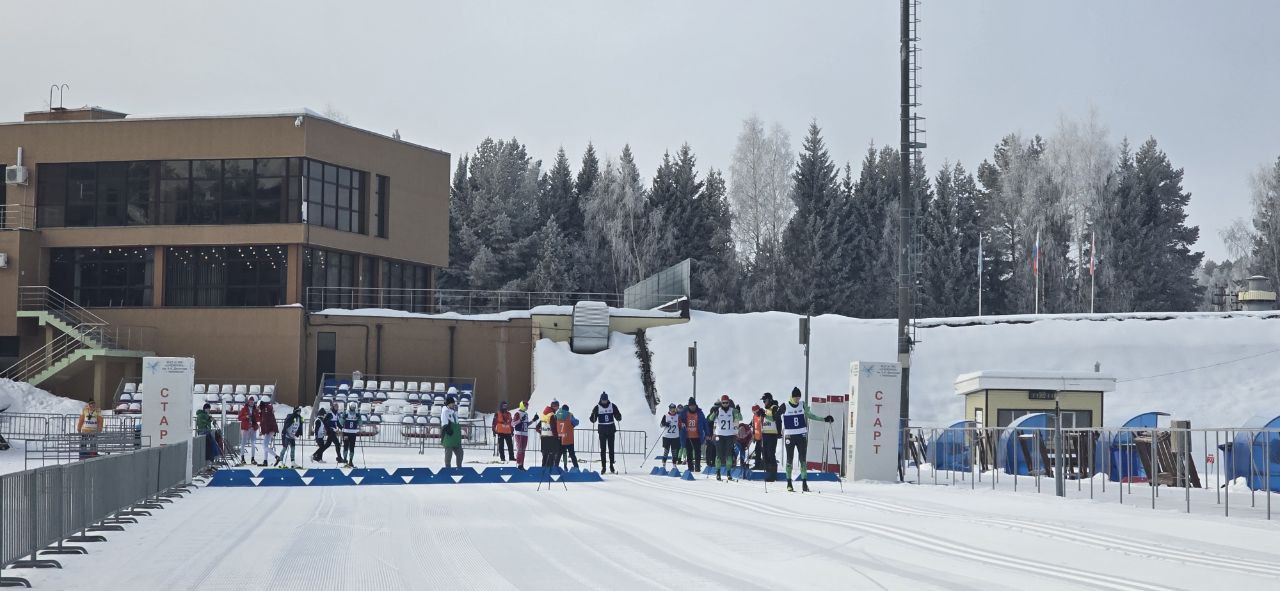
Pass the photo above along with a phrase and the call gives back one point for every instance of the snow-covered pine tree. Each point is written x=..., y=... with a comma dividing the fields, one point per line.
x=807, y=250
x=553, y=271
x=1266, y=223
x=1165, y=279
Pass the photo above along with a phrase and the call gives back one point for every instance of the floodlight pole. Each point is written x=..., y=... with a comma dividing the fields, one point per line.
x=693, y=363
x=805, y=332
x=1059, y=479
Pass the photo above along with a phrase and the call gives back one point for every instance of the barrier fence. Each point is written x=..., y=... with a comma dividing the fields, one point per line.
x=43, y=509
x=38, y=426
x=1227, y=470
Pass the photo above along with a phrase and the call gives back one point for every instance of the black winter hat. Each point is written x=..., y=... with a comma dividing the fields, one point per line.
x=795, y=392
x=692, y=402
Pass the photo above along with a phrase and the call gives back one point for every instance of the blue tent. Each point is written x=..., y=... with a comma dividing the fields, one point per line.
x=1018, y=454
x=950, y=448
x=1120, y=454
x=1255, y=456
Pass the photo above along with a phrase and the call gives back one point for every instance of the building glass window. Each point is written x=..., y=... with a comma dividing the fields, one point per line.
x=229, y=276
x=335, y=271
x=103, y=277
x=167, y=192
x=381, y=205
x=410, y=284
x=335, y=197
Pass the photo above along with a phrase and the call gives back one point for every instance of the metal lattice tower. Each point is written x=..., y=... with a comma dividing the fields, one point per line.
x=908, y=223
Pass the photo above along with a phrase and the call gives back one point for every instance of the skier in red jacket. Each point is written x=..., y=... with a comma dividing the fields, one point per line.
x=268, y=427
x=249, y=429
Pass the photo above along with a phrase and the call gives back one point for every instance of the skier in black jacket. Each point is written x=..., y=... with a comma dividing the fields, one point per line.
x=606, y=416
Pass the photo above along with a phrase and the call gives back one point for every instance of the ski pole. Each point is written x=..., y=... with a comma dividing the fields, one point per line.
x=824, y=460
x=646, y=455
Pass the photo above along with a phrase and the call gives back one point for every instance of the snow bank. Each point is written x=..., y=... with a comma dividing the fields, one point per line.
x=578, y=380
x=16, y=397
x=1214, y=369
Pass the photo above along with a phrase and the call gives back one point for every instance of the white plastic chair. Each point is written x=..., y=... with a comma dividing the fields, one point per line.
x=422, y=420
x=135, y=407
x=270, y=390
x=212, y=398
x=397, y=386
x=439, y=387
x=411, y=386
x=240, y=399
x=130, y=387
x=255, y=389
x=384, y=385
x=214, y=389
x=122, y=407
x=357, y=384
x=242, y=388
x=126, y=397
x=199, y=388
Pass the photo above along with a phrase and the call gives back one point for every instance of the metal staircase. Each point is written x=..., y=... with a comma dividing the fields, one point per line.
x=81, y=336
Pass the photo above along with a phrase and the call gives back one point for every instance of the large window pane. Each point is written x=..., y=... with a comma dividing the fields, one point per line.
x=226, y=275
x=138, y=194
x=51, y=194
x=112, y=183
x=103, y=277
x=82, y=194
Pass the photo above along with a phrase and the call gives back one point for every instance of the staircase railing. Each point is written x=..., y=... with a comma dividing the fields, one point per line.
x=43, y=358
x=41, y=298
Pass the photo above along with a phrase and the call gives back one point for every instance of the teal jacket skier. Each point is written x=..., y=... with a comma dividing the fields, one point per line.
x=795, y=433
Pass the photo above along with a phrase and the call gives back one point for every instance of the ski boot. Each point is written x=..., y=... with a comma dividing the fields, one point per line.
x=804, y=485
x=717, y=475
x=729, y=476
x=790, y=488
x=612, y=470
x=241, y=459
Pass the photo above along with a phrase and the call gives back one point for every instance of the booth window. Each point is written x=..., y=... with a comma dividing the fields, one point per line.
x=103, y=277
x=230, y=276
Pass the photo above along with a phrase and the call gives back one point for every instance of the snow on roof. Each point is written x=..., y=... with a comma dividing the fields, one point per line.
x=296, y=111
x=496, y=317
x=1034, y=380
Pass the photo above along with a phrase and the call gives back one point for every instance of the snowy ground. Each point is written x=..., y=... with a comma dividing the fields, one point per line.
x=647, y=532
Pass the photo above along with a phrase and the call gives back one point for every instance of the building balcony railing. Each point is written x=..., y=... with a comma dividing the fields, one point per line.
x=437, y=301
x=14, y=216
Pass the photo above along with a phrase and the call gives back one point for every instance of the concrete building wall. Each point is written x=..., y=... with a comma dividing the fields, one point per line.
x=497, y=354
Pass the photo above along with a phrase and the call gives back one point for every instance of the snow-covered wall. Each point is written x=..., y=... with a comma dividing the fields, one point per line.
x=1229, y=365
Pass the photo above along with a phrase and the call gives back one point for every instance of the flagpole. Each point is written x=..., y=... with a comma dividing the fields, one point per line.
x=979, y=274
x=1093, y=252
x=1035, y=266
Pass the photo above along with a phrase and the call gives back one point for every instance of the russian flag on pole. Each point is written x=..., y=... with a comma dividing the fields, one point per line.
x=1093, y=251
x=1035, y=255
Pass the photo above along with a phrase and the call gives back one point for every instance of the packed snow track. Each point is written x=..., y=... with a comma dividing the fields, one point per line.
x=648, y=532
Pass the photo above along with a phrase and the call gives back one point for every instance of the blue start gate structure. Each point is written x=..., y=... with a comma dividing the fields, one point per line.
x=951, y=448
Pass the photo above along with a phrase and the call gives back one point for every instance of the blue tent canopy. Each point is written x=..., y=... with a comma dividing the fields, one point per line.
x=1119, y=453
x=1018, y=454
x=1255, y=456
x=950, y=448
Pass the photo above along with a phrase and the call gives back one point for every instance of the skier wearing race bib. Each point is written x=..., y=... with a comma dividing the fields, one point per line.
x=606, y=415
x=693, y=427
x=770, y=419
x=724, y=420
x=795, y=431
x=670, y=424
x=520, y=429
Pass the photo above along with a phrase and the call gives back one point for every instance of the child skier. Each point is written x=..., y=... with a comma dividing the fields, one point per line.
x=268, y=426
x=795, y=431
x=724, y=418
x=349, y=423
x=567, y=422
x=451, y=431
x=520, y=431
x=743, y=444
x=670, y=424
x=289, y=437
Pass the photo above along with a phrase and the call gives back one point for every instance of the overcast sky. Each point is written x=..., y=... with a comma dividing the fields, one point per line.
x=1199, y=76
